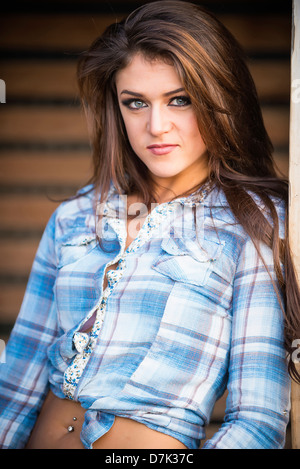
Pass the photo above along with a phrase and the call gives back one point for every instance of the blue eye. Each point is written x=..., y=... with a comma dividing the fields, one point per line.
x=134, y=103
x=137, y=104
x=180, y=101
x=176, y=101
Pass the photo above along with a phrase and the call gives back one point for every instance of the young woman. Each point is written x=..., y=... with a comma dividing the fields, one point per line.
x=167, y=279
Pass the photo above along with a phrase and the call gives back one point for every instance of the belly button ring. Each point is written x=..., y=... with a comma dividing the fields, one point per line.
x=70, y=427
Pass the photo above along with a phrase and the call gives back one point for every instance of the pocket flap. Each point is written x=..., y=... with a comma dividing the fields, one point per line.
x=75, y=247
x=187, y=260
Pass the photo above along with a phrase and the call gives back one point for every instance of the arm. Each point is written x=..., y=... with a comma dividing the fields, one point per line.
x=258, y=382
x=23, y=376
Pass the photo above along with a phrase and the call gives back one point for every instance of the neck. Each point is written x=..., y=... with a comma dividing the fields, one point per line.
x=165, y=193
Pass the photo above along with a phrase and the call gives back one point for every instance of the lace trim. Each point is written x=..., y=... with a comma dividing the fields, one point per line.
x=85, y=343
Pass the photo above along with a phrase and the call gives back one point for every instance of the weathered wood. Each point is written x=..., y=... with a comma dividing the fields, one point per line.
x=53, y=79
x=37, y=78
x=48, y=79
x=58, y=32
x=56, y=168
x=17, y=256
x=67, y=124
x=295, y=193
x=272, y=79
x=25, y=211
x=63, y=168
x=277, y=124
x=67, y=33
x=11, y=296
x=43, y=124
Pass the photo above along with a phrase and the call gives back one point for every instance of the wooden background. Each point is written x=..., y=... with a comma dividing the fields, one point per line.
x=44, y=150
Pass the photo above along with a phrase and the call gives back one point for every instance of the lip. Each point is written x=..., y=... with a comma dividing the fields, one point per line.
x=162, y=149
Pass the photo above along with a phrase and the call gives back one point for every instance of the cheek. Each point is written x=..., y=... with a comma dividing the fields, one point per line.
x=133, y=130
x=192, y=132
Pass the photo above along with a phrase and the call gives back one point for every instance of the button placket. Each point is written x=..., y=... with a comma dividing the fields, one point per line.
x=85, y=343
x=80, y=341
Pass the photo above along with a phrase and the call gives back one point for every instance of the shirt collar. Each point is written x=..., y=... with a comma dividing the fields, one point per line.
x=208, y=195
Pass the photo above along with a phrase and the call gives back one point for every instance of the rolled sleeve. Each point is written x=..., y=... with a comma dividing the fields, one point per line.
x=23, y=375
x=258, y=403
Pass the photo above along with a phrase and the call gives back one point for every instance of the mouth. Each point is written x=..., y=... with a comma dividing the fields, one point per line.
x=162, y=149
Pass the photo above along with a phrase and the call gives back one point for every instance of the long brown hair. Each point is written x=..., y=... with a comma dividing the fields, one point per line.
x=213, y=70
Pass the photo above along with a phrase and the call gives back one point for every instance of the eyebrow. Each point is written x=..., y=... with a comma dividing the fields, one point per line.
x=139, y=95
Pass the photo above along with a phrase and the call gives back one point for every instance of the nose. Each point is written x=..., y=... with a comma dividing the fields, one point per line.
x=158, y=121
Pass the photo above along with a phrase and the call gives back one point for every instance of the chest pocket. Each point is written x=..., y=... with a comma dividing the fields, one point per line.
x=76, y=247
x=188, y=261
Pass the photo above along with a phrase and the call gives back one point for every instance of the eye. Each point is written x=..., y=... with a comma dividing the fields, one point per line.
x=180, y=101
x=134, y=103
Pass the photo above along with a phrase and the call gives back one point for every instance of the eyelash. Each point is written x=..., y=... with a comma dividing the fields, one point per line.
x=130, y=101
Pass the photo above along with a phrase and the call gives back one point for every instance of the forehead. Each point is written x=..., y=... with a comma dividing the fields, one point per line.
x=143, y=74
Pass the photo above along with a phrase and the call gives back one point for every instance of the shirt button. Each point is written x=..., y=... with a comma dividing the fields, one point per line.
x=80, y=341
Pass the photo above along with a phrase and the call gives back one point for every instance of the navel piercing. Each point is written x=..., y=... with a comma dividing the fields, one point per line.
x=70, y=427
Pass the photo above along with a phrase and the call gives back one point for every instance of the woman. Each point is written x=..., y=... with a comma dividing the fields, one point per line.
x=162, y=282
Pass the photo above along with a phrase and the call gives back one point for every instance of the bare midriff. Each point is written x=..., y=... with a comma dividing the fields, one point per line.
x=60, y=421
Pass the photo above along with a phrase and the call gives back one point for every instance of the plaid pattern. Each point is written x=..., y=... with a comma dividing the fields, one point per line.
x=190, y=311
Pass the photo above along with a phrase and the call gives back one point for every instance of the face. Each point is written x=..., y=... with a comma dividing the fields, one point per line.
x=161, y=124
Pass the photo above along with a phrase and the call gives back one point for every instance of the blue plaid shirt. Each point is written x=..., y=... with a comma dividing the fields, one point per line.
x=189, y=311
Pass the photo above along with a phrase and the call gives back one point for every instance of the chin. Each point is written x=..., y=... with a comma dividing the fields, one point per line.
x=164, y=174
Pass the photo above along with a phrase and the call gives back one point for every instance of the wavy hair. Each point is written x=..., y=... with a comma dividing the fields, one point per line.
x=213, y=70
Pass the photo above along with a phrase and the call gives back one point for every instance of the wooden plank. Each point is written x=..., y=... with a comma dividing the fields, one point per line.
x=282, y=163
x=39, y=78
x=64, y=124
x=294, y=152
x=31, y=211
x=11, y=296
x=294, y=208
x=17, y=256
x=71, y=32
x=59, y=32
x=260, y=32
x=272, y=79
x=62, y=168
x=27, y=168
x=25, y=212
x=276, y=120
x=43, y=124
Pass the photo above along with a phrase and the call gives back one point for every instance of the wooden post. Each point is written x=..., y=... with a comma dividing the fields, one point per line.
x=294, y=176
